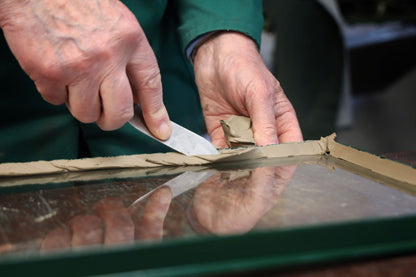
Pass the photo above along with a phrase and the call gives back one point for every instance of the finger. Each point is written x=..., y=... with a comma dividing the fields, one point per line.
x=117, y=101
x=262, y=114
x=149, y=226
x=213, y=115
x=86, y=230
x=268, y=183
x=84, y=101
x=207, y=211
x=238, y=202
x=287, y=125
x=58, y=238
x=52, y=93
x=119, y=226
x=283, y=175
x=217, y=136
x=145, y=79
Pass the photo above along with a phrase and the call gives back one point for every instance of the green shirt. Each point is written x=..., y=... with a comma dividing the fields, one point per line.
x=32, y=129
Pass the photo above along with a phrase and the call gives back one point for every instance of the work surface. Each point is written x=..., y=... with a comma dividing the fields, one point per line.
x=116, y=211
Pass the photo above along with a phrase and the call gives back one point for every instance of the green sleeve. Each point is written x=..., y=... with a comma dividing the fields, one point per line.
x=199, y=17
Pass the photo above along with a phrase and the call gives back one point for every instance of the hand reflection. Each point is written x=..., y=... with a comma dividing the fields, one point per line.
x=229, y=203
x=113, y=223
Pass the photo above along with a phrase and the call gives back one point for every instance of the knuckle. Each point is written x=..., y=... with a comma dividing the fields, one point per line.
x=84, y=115
x=52, y=97
x=124, y=114
x=113, y=122
x=259, y=92
x=47, y=69
x=277, y=88
x=257, y=86
x=49, y=94
x=265, y=135
x=127, y=37
x=102, y=52
x=80, y=64
x=269, y=130
x=87, y=117
x=131, y=34
x=105, y=126
x=153, y=80
x=130, y=28
x=85, y=110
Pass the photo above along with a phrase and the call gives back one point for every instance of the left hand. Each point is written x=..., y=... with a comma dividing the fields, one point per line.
x=233, y=80
x=224, y=204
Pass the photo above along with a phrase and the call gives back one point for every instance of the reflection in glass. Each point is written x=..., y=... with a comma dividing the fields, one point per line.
x=231, y=200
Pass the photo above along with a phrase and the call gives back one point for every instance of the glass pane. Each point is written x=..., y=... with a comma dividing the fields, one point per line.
x=123, y=207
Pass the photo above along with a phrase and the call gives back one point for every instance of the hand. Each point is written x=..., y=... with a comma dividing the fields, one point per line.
x=91, y=55
x=224, y=204
x=233, y=80
x=113, y=223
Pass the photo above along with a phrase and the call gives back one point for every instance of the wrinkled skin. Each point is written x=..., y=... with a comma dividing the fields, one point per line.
x=233, y=80
x=113, y=223
x=94, y=57
x=224, y=205
x=91, y=55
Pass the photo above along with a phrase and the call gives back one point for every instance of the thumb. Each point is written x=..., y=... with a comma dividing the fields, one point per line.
x=144, y=76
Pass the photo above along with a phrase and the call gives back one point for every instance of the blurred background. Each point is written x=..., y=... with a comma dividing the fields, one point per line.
x=348, y=66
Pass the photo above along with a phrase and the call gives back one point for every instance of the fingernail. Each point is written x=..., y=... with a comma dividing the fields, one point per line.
x=164, y=130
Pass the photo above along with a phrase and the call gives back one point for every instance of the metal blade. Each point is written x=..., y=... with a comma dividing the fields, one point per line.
x=178, y=185
x=181, y=139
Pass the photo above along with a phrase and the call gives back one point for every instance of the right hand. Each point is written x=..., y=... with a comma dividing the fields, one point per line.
x=91, y=55
x=113, y=223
